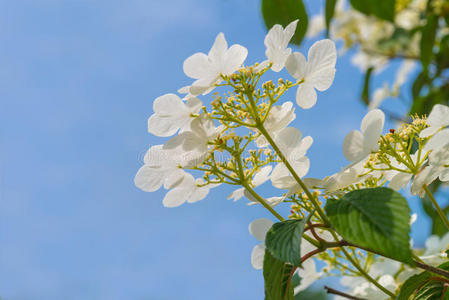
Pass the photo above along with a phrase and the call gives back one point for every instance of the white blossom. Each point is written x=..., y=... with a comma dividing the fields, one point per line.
x=276, y=41
x=316, y=73
x=206, y=69
x=359, y=144
x=172, y=114
x=436, y=248
x=294, y=148
x=186, y=190
x=258, y=229
x=194, y=142
x=160, y=167
x=277, y=120
x=259, y=178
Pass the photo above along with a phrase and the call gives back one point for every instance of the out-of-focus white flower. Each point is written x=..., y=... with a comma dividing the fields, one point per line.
x=186, y=190
x=259, y=178
x=383, y=270
x=294, y=149
x=172, y=114
x=206, y=69
x=194, y=142
x=438, y=118
x=436, y=249
x=278, y=119
x=316, y=73
x=276, y=41
x=316, y=25
x=379, y=95
x=160, y=167
x=359, y=144
x=407, y=66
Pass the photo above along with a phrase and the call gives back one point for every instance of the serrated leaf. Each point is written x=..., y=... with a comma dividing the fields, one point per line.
x=284, y=12
x=384, y=9
x=432, y=290
x=283, y=240
x=329, y=12
x=376, y=218
x=277, y=277
x=412, y=284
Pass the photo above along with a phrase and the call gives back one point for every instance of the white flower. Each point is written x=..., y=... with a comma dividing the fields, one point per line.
x=316, y=73
x=359, y=144
x=258, y=229
x=206, y=69
x=294, y=148
x=172, y=114
x=186, y=190
x=278, y=119
x=383, y=270
x=276, y=41
x=438, y=118
x=316, y=25
x=398, y=179
x=407, y=66
x=438, y=168
x=161, y=167
x=194, y=142
x=347, y=176
x=436, y=248
x=259, y=178
x=379, y=95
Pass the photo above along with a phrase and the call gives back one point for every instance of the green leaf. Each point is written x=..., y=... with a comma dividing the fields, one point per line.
x=366, y=85
x=376, y=218
x=412, y=284
x=329, y=13
x=432, y=290
x=283, y=240
x=284, y=12
x=428, y=34
x=383, y=9
x=277, y=276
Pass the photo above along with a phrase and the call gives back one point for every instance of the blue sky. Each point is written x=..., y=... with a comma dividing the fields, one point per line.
x=77, y=81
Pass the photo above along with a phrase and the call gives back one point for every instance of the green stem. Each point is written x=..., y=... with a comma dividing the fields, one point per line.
x=437, y=207
x=294, y=174
x=365, y=274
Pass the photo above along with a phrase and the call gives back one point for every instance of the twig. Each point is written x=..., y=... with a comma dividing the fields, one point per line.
x=335, y=292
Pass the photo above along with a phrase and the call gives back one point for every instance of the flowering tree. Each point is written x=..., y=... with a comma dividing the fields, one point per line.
x=354, y=221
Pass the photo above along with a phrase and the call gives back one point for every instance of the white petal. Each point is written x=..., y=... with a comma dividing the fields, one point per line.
x=439, y=116
x=288, y=139
x=322, y=57
x=444, y=175
x=306, y=95
x=149, y=179
x=257, y=256
x=219, y=48
x=259, y=228
x=174, y=197
x=197, y=66
x=236, y=195
x=234, y=58
x=437, y=141
x=353, y=146
x=372, y=126
x=425, y=176
x=399, y=181
x=296, y=65
x=262, y=176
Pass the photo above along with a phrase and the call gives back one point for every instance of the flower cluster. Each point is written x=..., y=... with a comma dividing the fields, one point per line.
x=242, y=137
